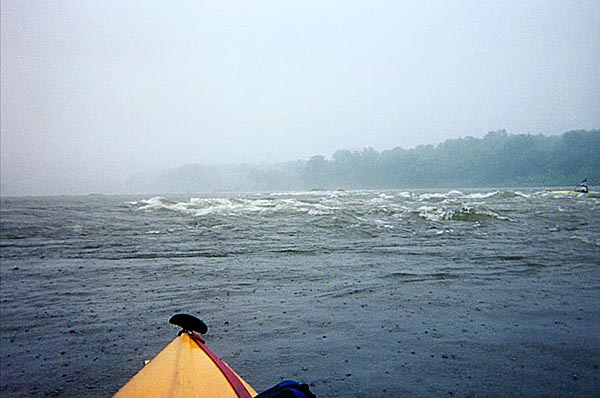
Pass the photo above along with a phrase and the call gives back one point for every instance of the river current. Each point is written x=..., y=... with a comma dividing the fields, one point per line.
x=88, y=267
x=483, y=229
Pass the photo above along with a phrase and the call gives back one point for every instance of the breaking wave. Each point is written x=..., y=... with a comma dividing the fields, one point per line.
x=467, y=213
x=234, y=206
x=341, y=209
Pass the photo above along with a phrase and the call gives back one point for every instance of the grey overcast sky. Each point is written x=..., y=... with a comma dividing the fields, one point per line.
x=97, y=90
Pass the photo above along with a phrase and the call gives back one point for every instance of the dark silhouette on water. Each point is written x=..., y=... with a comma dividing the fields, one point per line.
x=582, y=187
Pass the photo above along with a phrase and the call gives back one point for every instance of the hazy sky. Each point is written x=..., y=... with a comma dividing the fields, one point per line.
x=111, y=88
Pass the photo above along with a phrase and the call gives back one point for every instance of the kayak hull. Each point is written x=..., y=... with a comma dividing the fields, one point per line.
x=568, y=192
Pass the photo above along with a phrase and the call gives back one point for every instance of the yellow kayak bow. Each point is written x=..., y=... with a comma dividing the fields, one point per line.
x=186, y=368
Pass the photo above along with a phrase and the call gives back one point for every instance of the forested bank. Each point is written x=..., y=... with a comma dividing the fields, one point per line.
x=497, y=160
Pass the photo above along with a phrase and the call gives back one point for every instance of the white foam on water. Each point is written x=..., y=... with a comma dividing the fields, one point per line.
x=378, y=208
x=482, y=195
x=205, y=206
x=432, y=213
x=454, y=194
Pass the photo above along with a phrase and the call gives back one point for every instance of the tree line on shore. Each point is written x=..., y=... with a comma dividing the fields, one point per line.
x=497, y=160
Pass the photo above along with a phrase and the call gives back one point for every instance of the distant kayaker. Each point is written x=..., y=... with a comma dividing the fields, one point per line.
x=582, y=187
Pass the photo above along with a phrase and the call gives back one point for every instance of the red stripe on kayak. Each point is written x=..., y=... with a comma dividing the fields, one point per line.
x=231, y=377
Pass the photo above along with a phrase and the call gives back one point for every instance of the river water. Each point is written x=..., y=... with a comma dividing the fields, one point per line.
x=358, y=293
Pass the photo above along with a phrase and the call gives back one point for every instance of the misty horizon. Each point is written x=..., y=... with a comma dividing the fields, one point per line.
x=95, y=92
x=467, y=162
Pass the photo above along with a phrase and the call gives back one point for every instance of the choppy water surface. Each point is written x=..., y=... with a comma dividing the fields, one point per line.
x=115, y=228
x=78, y=271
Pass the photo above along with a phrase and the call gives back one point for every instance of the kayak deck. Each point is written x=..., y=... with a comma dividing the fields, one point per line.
x=186, y=368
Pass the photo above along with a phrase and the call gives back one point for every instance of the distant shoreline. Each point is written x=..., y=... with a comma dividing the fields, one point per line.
x=314, y=191
x=497, y=160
